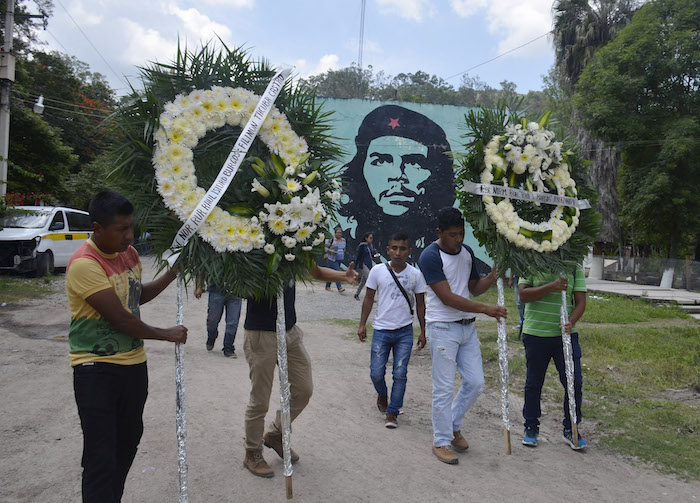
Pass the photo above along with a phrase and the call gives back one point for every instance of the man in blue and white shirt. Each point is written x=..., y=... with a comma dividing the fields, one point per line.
x=450, y=272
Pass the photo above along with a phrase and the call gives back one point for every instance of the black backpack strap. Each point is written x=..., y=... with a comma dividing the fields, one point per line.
x=398, y=283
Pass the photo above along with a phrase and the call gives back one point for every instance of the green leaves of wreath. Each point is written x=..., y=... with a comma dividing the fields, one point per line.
x=242, y=248
x=518, y=235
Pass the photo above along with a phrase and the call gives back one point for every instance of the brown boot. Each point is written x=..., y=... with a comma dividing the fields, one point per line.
x=459, y=442
x=382, y=403
x=273, y=440
x=391, y=421
x=257, y=465
x=446, y=454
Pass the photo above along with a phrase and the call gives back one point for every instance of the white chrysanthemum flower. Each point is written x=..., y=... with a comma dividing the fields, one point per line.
x=307, y=248
x=177, y=153
x=269, y=248
x=277, y=225
x=290, y=170
x=290, y=186
x=289, y=241
x=519, y=168
x=290, y=257
x=303, y=234
x=486, y=177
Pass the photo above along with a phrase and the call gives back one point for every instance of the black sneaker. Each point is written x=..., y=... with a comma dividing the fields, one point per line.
x=230, y=354
x=210, y=346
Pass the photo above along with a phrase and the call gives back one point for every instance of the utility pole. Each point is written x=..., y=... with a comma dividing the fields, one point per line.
x=362, y=35
x=7, y=77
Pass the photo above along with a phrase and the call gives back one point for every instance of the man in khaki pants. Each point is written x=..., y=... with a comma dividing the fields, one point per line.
x=260, y=348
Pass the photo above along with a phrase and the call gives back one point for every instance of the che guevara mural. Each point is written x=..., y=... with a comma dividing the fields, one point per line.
x=397, y=170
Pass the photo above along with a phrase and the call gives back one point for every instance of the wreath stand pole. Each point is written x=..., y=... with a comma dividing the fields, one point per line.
x=284, y=393
x=180, y=419
x=569, y=368
x=503, y=366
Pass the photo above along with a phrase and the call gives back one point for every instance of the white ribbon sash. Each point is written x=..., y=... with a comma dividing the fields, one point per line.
x=524, y=195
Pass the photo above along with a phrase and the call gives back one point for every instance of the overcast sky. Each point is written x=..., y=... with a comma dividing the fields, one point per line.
x=441, y=37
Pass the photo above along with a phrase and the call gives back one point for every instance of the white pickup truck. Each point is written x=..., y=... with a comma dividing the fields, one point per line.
x=39, y=238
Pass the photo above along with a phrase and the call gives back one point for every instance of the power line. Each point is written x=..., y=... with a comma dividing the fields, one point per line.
x=90, y=42
x=30, y=103
x=362, y=35
x=496, y=57
x=33, y=95
x=57, y=41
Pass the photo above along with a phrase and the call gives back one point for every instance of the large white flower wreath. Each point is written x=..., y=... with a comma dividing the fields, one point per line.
x=529, y=150
x=185, y=121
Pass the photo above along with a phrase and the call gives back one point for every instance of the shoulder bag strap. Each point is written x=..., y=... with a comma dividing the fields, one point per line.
x=398, y=283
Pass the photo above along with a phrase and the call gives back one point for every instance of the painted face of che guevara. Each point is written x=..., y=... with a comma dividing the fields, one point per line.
x=395, y=169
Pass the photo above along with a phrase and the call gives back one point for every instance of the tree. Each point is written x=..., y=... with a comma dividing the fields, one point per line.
x=350, y=82
x=78, y=99
x=418, y=87
x=641, y=92
x=24, y=26
x=39, y=161
x=581, y=27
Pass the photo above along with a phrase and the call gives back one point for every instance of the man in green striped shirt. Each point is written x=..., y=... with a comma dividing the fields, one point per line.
x=543, y=342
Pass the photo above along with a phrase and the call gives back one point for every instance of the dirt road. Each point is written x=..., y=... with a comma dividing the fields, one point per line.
x=347, y=455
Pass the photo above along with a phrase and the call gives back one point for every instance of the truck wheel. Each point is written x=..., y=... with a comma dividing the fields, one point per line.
x=44, y=264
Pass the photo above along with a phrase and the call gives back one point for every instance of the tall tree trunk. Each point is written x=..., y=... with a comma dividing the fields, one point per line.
x=603, y=176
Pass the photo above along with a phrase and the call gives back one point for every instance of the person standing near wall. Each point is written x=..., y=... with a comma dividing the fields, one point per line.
x=335, y=254
x=364, y=260
x=218, y=301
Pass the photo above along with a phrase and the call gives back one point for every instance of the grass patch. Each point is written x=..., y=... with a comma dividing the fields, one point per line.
x=15, y=289
x=612, y=309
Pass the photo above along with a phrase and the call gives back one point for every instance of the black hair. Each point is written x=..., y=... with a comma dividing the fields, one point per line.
x=107, y=204
x=366, y=235
x=399, y=236
x=450, y=217
x=394, y=120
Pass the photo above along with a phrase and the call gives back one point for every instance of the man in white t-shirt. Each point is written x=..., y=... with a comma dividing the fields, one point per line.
x=449, y=269
x=393, y=324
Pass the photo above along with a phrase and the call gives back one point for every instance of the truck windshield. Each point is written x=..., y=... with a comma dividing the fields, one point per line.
x=34, y=219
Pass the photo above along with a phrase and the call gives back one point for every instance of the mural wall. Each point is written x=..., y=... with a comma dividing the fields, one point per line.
x=397, y=169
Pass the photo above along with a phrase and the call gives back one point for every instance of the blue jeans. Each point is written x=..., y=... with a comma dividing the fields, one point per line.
x=454, y=348
x=384, y=341
x=334, y=264
x=538, y=352
x=217, y=302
